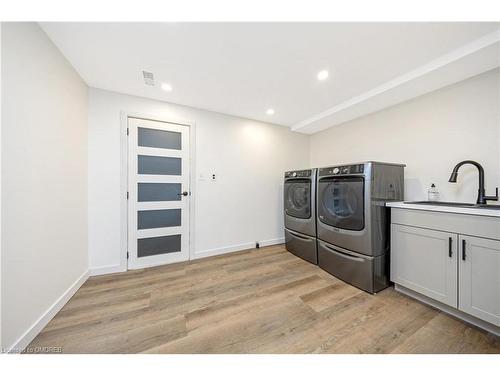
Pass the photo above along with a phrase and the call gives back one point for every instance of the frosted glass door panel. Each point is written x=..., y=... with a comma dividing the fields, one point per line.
x=159, y=139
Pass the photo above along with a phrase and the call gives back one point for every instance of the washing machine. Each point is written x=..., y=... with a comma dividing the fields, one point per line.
x=300, y=213
x=353, y=224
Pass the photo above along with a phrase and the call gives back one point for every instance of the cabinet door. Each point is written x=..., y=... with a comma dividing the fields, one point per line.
x=425, y=261
x=479, y=278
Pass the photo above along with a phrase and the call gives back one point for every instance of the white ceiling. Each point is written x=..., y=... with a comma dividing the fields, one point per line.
x=243, y=69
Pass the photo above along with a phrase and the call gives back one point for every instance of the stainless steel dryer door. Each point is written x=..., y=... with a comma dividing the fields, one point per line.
x=343, y=212
x=341, y=202
x=299, y=207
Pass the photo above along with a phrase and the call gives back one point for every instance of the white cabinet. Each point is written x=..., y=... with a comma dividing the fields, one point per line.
x=425, y=261
x=449, y=260
x=479, y=278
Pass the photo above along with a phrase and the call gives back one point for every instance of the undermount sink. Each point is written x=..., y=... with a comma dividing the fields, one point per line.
x=458, y=204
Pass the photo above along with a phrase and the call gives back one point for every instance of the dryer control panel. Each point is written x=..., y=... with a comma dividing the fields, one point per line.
x=342, y=170
x=299, y=174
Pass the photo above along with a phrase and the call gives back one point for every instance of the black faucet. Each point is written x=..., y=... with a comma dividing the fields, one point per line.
x=481, y=195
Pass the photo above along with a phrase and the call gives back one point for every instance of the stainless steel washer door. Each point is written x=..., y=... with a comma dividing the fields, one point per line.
x=298, y=198
x=299, y=206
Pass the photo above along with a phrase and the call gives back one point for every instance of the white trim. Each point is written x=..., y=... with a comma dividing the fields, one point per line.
x=224, y=250
x=123, y=190
x=153, y=151
x=104, y=270
x=46, y=317
x=449, y=310
x=158, y=178
x=449, y=58
x=156, y=232
x=124, y=115
x=274, y=241
x=236, y=248
x=144, y=206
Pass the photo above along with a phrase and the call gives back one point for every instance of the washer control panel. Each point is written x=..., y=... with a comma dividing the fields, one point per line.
x=342, y=170
x=298, y=174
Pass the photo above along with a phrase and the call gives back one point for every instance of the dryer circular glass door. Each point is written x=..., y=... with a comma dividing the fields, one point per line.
x=298, y=198
x=341, y=202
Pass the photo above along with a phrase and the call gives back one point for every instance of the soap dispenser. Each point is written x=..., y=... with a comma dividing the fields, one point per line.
x=433, y=193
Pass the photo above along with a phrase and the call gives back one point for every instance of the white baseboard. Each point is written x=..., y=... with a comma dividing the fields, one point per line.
x=234, y=248
x=449, y=310
x=275, y=241
x=223, y=250
x=46, y=317
x=104, y=270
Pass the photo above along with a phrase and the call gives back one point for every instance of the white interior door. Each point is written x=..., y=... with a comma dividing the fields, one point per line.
x=158, y=193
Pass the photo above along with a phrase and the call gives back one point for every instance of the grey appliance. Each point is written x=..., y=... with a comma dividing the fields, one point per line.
x=353, y=221
x=300, y=213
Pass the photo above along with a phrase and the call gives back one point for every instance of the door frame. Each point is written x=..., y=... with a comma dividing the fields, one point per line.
x=124, y=116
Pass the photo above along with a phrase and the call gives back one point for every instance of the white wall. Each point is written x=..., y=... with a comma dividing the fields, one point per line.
x=44, y=181
x=243, y=206
x=430, y=134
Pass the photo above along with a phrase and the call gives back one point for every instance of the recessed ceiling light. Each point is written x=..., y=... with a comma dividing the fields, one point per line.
x=166, y=87
x=270, y=112
x=323, y=75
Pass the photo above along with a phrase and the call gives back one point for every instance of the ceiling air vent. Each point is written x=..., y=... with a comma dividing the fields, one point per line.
x=149, y=78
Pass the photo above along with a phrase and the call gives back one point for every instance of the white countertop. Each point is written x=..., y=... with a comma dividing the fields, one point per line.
x=451, y=209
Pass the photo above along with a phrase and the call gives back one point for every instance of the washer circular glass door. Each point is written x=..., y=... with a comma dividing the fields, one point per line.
x=298, y=198
x=341, y=202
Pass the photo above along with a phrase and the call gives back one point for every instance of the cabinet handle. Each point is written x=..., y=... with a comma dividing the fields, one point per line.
x=450, y=244
x=463, y=250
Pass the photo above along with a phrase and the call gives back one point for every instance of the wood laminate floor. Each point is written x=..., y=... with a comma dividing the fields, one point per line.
x=258, y=301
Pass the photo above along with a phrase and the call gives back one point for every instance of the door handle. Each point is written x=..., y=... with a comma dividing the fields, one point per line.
x=184, y=193
x=463, y=250
x=450, y=244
